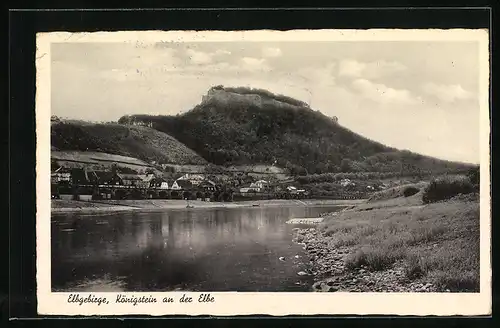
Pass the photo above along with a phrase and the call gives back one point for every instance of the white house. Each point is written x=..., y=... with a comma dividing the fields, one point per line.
x=195, y=179
x=254, y=187
x=294, y=190
x=175, y=186
x=258, y=186
x=61, y=175
x=261, y=183
x=346, y=182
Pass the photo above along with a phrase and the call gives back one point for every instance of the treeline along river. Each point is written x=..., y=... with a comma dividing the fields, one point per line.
x=225, y=249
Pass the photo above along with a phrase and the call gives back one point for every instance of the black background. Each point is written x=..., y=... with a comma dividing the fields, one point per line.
x=20, y=122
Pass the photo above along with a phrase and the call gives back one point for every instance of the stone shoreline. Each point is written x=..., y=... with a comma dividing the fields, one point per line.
x=328, y=267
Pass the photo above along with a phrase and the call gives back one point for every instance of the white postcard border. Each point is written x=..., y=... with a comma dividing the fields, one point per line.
x=238, y=303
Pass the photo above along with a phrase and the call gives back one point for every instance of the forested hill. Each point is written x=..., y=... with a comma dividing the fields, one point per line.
x=245, y=126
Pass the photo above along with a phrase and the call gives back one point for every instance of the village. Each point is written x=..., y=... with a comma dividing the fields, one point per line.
x=87, y=184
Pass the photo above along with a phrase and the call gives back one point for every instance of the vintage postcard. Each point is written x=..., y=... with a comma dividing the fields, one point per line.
x=305, y=172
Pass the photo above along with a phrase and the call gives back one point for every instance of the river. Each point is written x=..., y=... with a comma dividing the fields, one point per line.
x=226, y=249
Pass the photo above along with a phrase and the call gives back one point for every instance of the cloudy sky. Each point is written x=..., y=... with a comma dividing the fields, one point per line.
x=421, y=96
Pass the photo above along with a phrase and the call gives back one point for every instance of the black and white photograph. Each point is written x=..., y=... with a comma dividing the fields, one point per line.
x=300, y=165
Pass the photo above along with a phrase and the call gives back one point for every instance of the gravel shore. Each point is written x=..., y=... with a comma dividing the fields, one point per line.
x=328, y=266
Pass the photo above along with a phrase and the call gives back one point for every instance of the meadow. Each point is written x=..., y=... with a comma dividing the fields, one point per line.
x=430, y=229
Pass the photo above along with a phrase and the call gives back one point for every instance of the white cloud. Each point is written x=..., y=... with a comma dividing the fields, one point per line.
x=199, y=57
x=351, y=68
x=447, y=93
x=381, y=93
x=254, y=64
x=205, y=58
x=222, y=52
x=372, y=70
x=271, y=52
x=319, y=76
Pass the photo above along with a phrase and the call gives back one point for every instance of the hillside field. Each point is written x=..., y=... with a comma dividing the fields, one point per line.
x=139, y=142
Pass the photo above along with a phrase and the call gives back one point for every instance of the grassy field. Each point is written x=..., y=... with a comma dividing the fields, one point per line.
x=436, y=243
x=98, y=160
x=141, y=142
x=91, y=156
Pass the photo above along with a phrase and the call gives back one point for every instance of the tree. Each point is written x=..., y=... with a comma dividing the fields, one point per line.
x=345, y=165
x=474, y=176
x=125, y=119
x=54, y=165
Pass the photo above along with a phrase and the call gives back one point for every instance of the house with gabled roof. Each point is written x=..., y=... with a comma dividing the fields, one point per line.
x=107, y=178
x=159, y=183
x=131, y=180
x=207, y=186
x=259, y=185
x=145, y=180
x=175, y=186
x=194, y=179
x=61, y=175
x=81, y=176
x=184, y=184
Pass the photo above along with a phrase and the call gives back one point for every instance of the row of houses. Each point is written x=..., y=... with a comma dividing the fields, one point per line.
x=264, y=186
x=66, y=181
x=64, y=176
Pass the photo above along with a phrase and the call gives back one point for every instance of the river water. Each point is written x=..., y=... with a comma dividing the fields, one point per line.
x=236, y=249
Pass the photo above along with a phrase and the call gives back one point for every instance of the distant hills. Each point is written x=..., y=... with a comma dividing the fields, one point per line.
x=238, y=126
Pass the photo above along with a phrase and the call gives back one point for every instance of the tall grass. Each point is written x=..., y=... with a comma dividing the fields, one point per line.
x=438, y=242
x=376, y=259
x=447, y=187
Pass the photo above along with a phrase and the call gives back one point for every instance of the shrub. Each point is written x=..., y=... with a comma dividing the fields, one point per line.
x=377, y=259
x=473, y=176
x=344, y=239
x=426, y=235
x=410, y=191
x=445, y=188
x=415, y=267
x=456, y=281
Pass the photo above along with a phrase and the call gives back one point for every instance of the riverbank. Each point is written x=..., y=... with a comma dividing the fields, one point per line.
x=71, y=206
x=397, y=245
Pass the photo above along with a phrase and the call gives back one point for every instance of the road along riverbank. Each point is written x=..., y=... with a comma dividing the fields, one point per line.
x=72, y=206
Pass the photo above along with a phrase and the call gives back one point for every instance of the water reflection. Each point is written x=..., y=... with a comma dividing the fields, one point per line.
x=209, y=249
